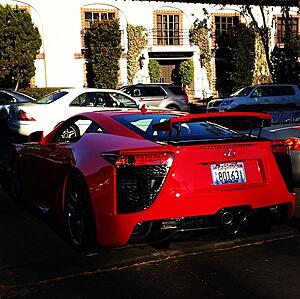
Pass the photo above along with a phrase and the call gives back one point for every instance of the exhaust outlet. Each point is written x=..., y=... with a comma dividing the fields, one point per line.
x=226, y=218
x=242, y=216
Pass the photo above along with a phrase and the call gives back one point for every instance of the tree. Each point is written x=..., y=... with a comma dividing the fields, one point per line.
x=285, y=59
x=20, y=42
x=263, y=31
x=105, y=53
x=186, y=71
x=239, y=52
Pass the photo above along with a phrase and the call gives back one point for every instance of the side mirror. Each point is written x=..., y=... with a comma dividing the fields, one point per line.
x=37, y=136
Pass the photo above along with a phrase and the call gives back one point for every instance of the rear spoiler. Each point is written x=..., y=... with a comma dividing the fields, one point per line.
x=240, y=121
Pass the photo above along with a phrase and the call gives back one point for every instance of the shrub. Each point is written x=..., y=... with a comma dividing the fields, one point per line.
x=154, y=71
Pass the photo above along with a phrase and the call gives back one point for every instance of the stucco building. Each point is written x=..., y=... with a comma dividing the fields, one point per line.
x=61, y=61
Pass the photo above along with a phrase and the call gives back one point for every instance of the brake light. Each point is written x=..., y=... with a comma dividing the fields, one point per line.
x=293, y=143
x=139, y=159
x=186, y=97
x=280, y=147
x=22, y=115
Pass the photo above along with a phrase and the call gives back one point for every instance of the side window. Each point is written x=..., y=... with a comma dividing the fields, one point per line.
x=257, y=92
x=79, y=101
x=152, y=91
x=73, y=129
x=288, y=90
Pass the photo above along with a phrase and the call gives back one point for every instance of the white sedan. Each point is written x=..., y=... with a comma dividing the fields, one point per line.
x=46, y=113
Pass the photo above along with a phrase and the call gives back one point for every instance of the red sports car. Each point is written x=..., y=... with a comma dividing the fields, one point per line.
x=127, y=177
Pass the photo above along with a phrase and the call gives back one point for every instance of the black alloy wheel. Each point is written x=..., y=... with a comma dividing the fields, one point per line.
x=79, y=224
x=71, y=132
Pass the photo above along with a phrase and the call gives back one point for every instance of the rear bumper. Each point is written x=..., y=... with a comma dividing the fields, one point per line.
x=120, y=229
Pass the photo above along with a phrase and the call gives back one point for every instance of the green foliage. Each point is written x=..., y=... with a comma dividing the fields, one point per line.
x=199, y=36
x=186, y=71
x=20, y=42
x=154, y=71
x=105, y=53
x=38, y=93
x=286, y=67
x=137, y=41
x=239, y=50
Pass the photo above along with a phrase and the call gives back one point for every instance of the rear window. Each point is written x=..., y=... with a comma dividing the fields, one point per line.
x=52, y=97
x=191, y=131
x=177, y=90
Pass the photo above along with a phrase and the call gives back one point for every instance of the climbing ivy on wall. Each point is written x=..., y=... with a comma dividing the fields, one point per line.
x=137, y=41
x=199, y=36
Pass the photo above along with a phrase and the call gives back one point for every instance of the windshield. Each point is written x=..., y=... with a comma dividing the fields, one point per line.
x=123, y=100
x=189, y=131
x=52, y=97
x=244, y=92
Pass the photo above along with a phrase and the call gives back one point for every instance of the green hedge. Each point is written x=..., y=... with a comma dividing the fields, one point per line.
x=38, y=93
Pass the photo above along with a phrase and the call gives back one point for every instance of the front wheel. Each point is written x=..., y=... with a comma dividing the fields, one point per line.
x=79, y=223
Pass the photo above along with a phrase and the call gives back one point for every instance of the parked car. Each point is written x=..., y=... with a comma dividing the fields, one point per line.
x=286, y=125
x=161, y=95
x=8, y=97
x=129, y=177
x=46, y=113
x=273, y=94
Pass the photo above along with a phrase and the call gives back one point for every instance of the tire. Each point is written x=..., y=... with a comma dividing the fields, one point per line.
x=78, y=215
x=15, y=190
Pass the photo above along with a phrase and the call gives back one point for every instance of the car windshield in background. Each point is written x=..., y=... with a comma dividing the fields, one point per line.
x=242, y=92
x=190, y=131
x=123, y=100
x=52, y=97
x=283, y=117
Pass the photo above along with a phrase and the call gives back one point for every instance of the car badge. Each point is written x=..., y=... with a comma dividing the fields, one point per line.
x=230, y=153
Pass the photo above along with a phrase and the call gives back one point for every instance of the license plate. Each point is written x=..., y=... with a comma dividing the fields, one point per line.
x=228, y=173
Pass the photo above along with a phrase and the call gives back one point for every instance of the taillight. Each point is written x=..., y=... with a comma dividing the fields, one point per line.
x=139, y=159
x=186, y=97
x=280, y=147
x=281, y=151
x=22, y=115
x=293, y=143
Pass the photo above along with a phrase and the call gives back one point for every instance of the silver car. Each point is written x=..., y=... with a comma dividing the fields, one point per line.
x=264, y=94
x=162, y=95
x=286, y=125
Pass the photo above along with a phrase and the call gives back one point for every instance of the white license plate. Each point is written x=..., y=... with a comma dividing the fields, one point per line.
x=228, y=173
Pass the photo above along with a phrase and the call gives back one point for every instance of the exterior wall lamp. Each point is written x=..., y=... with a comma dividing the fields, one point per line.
x=142, y=61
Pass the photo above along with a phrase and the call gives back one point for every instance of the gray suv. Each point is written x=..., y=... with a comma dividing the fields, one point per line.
x=161, y=95
x=264, y=94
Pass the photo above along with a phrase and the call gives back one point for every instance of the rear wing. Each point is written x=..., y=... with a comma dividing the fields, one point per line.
x=238, y=121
